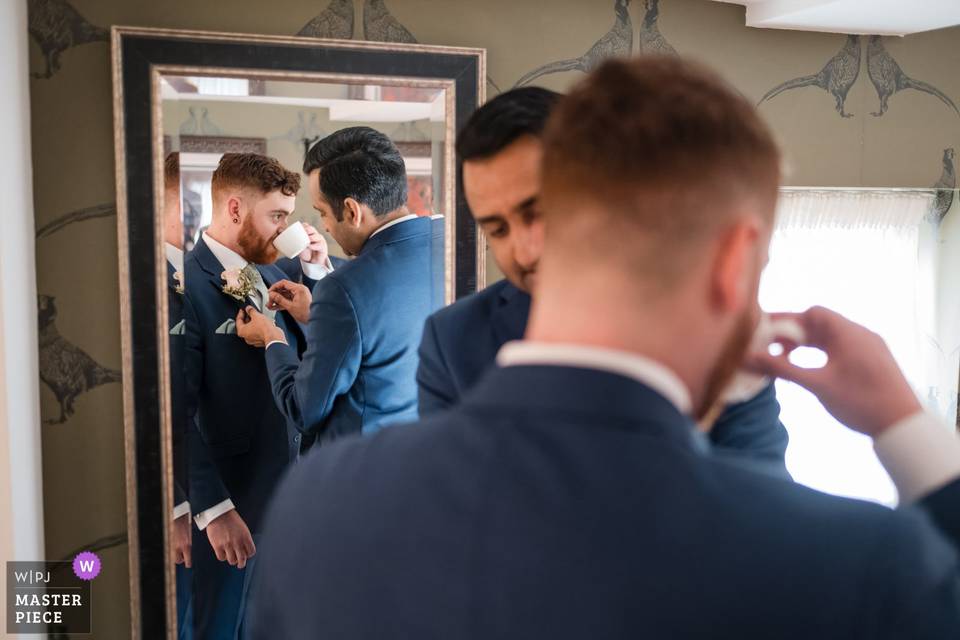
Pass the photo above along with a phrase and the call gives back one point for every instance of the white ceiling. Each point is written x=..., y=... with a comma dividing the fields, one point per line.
x=340, y=109
x=881, y=17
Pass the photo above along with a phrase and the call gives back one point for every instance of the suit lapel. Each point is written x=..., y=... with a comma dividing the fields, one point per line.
x=509, y=320
x=214, y=270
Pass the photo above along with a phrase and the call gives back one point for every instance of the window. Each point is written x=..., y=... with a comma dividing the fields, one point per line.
x=872, y=256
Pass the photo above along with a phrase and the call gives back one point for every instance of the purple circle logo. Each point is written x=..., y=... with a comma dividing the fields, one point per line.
x=86, y=565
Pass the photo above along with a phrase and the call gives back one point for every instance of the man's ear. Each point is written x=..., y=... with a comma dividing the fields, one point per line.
x=233, y=208
x=734, y=267
x=353, y=213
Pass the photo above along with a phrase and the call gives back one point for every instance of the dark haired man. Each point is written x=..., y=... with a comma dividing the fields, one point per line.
x=365, y=320
x=227, y=388
x=500, y=148
x=566, y=495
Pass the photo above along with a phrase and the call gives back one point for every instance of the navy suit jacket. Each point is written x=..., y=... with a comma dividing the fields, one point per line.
x=558, y=502
x=178, y=410
x=228, y=395
x=358, y=371
x=460, y=343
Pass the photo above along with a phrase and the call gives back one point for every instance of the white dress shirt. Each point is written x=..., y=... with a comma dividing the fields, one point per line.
x=649, y=372
x=393, y=223
x=921, y=453
x=174, y=256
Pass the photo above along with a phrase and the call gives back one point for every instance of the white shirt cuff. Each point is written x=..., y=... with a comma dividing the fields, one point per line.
x=921, y=453
x=181, y=509
x=211, y=514
x=316, y=271
x=274, y=342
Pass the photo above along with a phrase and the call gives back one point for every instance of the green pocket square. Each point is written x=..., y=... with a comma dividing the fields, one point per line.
x=177, y=329
x=229, y=326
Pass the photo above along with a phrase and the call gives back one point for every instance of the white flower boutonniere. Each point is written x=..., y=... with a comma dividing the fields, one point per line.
x=178, y=276
x=239, y=282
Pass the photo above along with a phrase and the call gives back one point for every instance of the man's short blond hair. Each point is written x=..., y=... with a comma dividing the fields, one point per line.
x=252, y=172
x=664, y=153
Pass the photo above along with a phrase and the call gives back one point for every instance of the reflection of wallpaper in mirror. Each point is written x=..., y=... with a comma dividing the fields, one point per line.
x=216, y=144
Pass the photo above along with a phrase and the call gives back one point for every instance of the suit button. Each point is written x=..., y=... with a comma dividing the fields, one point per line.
x=296, y=438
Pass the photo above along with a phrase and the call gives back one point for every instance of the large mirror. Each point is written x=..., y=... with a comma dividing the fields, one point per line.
x=216, y=216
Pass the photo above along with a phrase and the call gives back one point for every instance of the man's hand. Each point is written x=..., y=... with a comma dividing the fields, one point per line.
x=317, y=252
x=231, y=540
x=861, y=384
x=181, y=540
x=292, y=297
x=255, y=329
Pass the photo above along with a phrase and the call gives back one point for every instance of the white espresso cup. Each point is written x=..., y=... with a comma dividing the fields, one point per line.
x=292, y=241
x=746, y=385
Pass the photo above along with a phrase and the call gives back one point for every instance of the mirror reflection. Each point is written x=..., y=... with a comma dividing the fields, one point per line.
x=305, y=230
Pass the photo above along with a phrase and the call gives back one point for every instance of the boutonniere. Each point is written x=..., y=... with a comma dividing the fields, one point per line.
x=178, y=276
x=239, y=282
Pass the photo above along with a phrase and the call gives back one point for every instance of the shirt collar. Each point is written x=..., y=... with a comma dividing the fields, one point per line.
x=174, y=256
x=646, y=371
x=228, y=258
x=392, y=223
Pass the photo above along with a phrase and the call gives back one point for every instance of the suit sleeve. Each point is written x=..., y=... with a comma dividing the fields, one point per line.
x=943, y=507
x=435, y=389
x=205, y=487
x=912, y=589
x=178, y=422
x=753, y=430
x=305, y=391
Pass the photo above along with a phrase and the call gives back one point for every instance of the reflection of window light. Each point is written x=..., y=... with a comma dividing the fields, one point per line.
x=222, y=86
x=418, y=166
x=196, y=172
x=862, y=254
x=206, y=199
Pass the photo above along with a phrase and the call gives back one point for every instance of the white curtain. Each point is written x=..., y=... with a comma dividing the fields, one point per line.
x=870, y=255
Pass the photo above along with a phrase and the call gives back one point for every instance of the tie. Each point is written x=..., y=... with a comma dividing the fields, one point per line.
x=262, y=295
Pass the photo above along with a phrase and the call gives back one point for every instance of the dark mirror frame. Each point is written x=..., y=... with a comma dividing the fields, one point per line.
x=136, y=54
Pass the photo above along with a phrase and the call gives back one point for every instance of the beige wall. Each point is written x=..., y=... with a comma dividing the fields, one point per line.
x=72, y=133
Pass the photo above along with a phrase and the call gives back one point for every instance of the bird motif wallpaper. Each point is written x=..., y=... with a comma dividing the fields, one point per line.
x=651, y=40
x=851, y=111
x=336, y=21
x=618, y=41
x=64, y=367
x=842, y=70
x=888, y=78
x=946, y=186
x=56, y=26
x=836, y=77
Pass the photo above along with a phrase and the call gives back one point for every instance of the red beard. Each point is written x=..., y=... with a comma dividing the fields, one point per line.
x=255, y=248
x=727, y=364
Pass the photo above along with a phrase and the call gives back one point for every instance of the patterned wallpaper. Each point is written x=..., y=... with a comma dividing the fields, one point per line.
x=849, y=111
